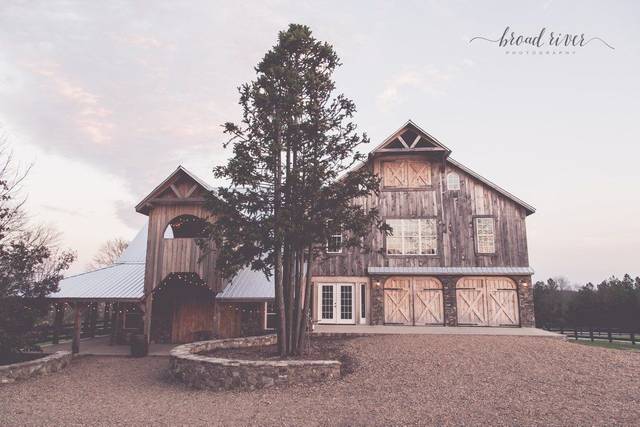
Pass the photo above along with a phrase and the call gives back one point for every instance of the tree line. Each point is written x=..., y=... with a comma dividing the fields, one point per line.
x=612, y=304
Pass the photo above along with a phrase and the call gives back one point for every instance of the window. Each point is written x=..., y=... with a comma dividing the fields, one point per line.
x=271, y=317
x=185, y=226
x=363, y=303
x=453, y=182
x=485, y=235
x=334, y=244
x=413, y=237
x=406, y=174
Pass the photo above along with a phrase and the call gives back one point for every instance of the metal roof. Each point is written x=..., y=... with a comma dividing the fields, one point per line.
x=136, y=251
x=123, y=280
x=249, y=285
x=466, y=271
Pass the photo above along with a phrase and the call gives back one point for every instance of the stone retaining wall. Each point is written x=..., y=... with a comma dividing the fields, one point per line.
x=200, y=371
x=31, y=368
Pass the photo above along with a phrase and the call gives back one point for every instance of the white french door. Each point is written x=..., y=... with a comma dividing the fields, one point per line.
x=336, y=303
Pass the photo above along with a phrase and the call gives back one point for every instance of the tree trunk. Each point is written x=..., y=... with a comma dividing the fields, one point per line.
x=305, y=321
x=279, y=291
x=299, y=297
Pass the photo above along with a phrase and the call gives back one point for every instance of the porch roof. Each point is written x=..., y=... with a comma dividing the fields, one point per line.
x=453, y=271
x=122, y=281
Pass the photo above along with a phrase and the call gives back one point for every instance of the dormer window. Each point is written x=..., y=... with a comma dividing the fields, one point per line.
x=453, y=181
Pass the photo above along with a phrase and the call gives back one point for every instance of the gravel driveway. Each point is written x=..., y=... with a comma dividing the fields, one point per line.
x=398, y=380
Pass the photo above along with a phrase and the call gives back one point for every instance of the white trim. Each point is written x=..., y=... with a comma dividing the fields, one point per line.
x=327, y=246
x=336, y=289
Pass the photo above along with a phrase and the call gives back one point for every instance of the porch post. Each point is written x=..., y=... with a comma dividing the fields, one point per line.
x=114, y=322
x=75, y=343
x=93, y=318
x=57, y=322
x=148, y=304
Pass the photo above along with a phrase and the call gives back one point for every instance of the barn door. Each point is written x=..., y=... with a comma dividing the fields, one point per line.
x=427, y=301
x=487, y=301
x=471, y=302
x=397, y=301
x=502, y=302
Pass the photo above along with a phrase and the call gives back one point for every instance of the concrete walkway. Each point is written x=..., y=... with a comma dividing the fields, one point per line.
x=99, y=346
x=436, y=330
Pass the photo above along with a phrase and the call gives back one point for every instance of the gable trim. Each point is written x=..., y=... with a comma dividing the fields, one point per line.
x=410, y=145
x=142, y=207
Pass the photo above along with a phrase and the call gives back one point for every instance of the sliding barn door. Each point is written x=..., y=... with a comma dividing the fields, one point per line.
x=427, y=301
x=397, y=301
x=487, y=301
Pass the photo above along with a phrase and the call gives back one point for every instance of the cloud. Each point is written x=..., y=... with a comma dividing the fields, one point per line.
x=428, y=80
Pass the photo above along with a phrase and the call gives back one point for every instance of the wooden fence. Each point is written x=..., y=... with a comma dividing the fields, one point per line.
x=47, y=333
x=602, y=334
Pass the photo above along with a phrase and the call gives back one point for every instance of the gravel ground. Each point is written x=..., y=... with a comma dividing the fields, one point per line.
x=398, y=380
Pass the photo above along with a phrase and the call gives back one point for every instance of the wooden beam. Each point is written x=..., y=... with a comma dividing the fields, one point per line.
x=176, y=191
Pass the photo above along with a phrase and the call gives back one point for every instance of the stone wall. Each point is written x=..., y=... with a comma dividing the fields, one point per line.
x=207, y=372
x=525, y=301
x=44, y=365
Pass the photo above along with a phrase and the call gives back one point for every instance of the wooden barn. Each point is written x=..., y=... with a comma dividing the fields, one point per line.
x=457, y=256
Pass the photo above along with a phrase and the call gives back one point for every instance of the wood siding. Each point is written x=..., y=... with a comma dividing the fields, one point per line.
x=455, y=212
x=166, y=256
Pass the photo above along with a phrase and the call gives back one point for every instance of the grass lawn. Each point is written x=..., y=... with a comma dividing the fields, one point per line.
x=617, y=345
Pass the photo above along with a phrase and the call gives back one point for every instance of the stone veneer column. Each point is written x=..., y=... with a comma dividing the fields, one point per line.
x=449, y=297
x=525, y=301
x=377, y=300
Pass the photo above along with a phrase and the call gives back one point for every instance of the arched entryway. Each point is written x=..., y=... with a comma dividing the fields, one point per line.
x=183, y=309
x=413, y=301
x=487, y=301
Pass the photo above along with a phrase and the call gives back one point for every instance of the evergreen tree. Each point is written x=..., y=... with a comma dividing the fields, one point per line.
x=292, y=177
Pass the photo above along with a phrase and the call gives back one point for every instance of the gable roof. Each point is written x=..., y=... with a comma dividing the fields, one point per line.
x=528, y=208
x=419, y=140
x=444, y=149
x=143, y=206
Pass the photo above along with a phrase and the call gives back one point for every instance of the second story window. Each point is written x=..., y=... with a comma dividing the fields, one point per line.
x=485, y=235
x=334, y=244
x=453, y=181
x=413, y=237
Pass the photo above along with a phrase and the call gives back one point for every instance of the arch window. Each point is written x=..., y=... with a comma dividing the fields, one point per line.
x=185, y=226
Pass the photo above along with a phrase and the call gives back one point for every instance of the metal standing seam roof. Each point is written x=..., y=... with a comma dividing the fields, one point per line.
x=249, y=285
x=466, y=271
x=123, y=280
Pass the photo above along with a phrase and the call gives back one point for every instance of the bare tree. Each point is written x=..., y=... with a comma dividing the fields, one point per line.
x=108, y=253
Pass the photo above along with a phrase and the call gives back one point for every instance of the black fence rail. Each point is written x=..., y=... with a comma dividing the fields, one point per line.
x=48, y=334
x=602, y=334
